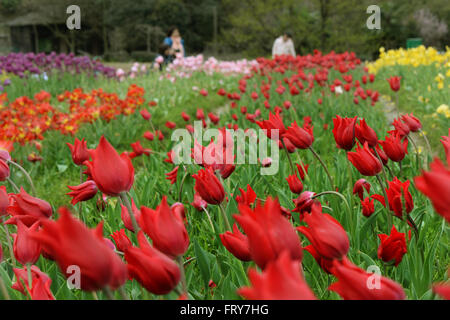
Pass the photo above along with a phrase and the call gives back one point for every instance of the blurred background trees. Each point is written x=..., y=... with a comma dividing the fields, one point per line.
x=133, y=30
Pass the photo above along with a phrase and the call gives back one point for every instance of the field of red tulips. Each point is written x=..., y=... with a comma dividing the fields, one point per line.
x=286, y=182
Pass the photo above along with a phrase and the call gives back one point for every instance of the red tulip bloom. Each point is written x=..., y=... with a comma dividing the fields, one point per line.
x=28, y=209
x=4, y=170
x=155, y=271
x=200, y=115
x=26, y=249
x=363, y=160
x=367, y=207
x=80, y=152
x=149, y=136
x=145, y=114
x=247, y=197
x=435, y=184
x=165, y=228
x=399, y=198
x=301, y=138
x=172, y=175
x=4, y=201
x=364, y=133
x=121, y=240
x=295, y=184
x=302, y=170
x=442, y=289
x=112, y=173
x=394, y=82
x=185, y=116
x=40, y=285
x=275, y=122
x=214, y=119
x=412, y=122
x=355, y=283
x=70, y=243
x=392, y=247
x=394, y=148
x=325, y=233
x=304, y=203
x=281, y=280
x=237, y=244
x=400, y=127
x=359, y=187
x=199, y=204
x=344, y=132
x=82, y=192
x=446, y=143
x=126, y=219
x=268, y=232
x=138, y=150
x=208, y=186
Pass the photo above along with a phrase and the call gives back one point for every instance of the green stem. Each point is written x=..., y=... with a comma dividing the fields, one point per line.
x=288, y=156
x=4, y=290
x=324, y=166
x=340, y=195
x=15, y=187
x=183, y=275
x=416, y=149
x=386, y=203
x=180, y=191
x=209, y=219
x=30, y=278
x=225, y=218
x=382, y=167
x=123, y=196
x=123, y=293
x=9, y=244
x=33, y=190
x=107, y=291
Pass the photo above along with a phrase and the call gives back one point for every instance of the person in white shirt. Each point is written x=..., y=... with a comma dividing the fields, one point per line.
x=283, y=45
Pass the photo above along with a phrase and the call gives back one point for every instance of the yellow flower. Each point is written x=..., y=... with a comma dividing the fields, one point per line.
x=443, y=109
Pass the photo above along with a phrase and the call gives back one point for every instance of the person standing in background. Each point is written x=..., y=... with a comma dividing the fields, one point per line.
x=283, y=45
x=175, y=42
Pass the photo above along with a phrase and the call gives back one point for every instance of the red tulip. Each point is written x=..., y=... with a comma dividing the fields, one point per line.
x=170, y=124
x=446, y=143
x=70, y=243
x=185, y=116
x=268, y=232
x=112, y=173
x=359, y=187
x=214, y=119
x=40, y=288
x=28, y=209
x=364, y=133
x=208, y=186
x=394, y=148
x=401, y=128
x=125, y=215
x=304, y=203
x=199, y=204
x=26, y=249
x=236, y=243
x=281, y=280
x=200, y=115
x=442, y=289
x=82, y=192
x=399, y=198
x=80, y=152
x=367, y=207
x=172, y=175
x=392, y=247
x=4, y=170
x=363, y=160
x=412, y=122
x=121, y=240
x=4, y=201
x=138, y=150
x=275, y=122
x=295, y=184
x=155, y=271
x=145, y=114
x=325, y=233
x=149, y=136
x=247, y=197
x=435, y=184
x=302, y=170
x=165, y=228
x=301, y=138
x=344, y=132
x=356, y=284
x=394, y=82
